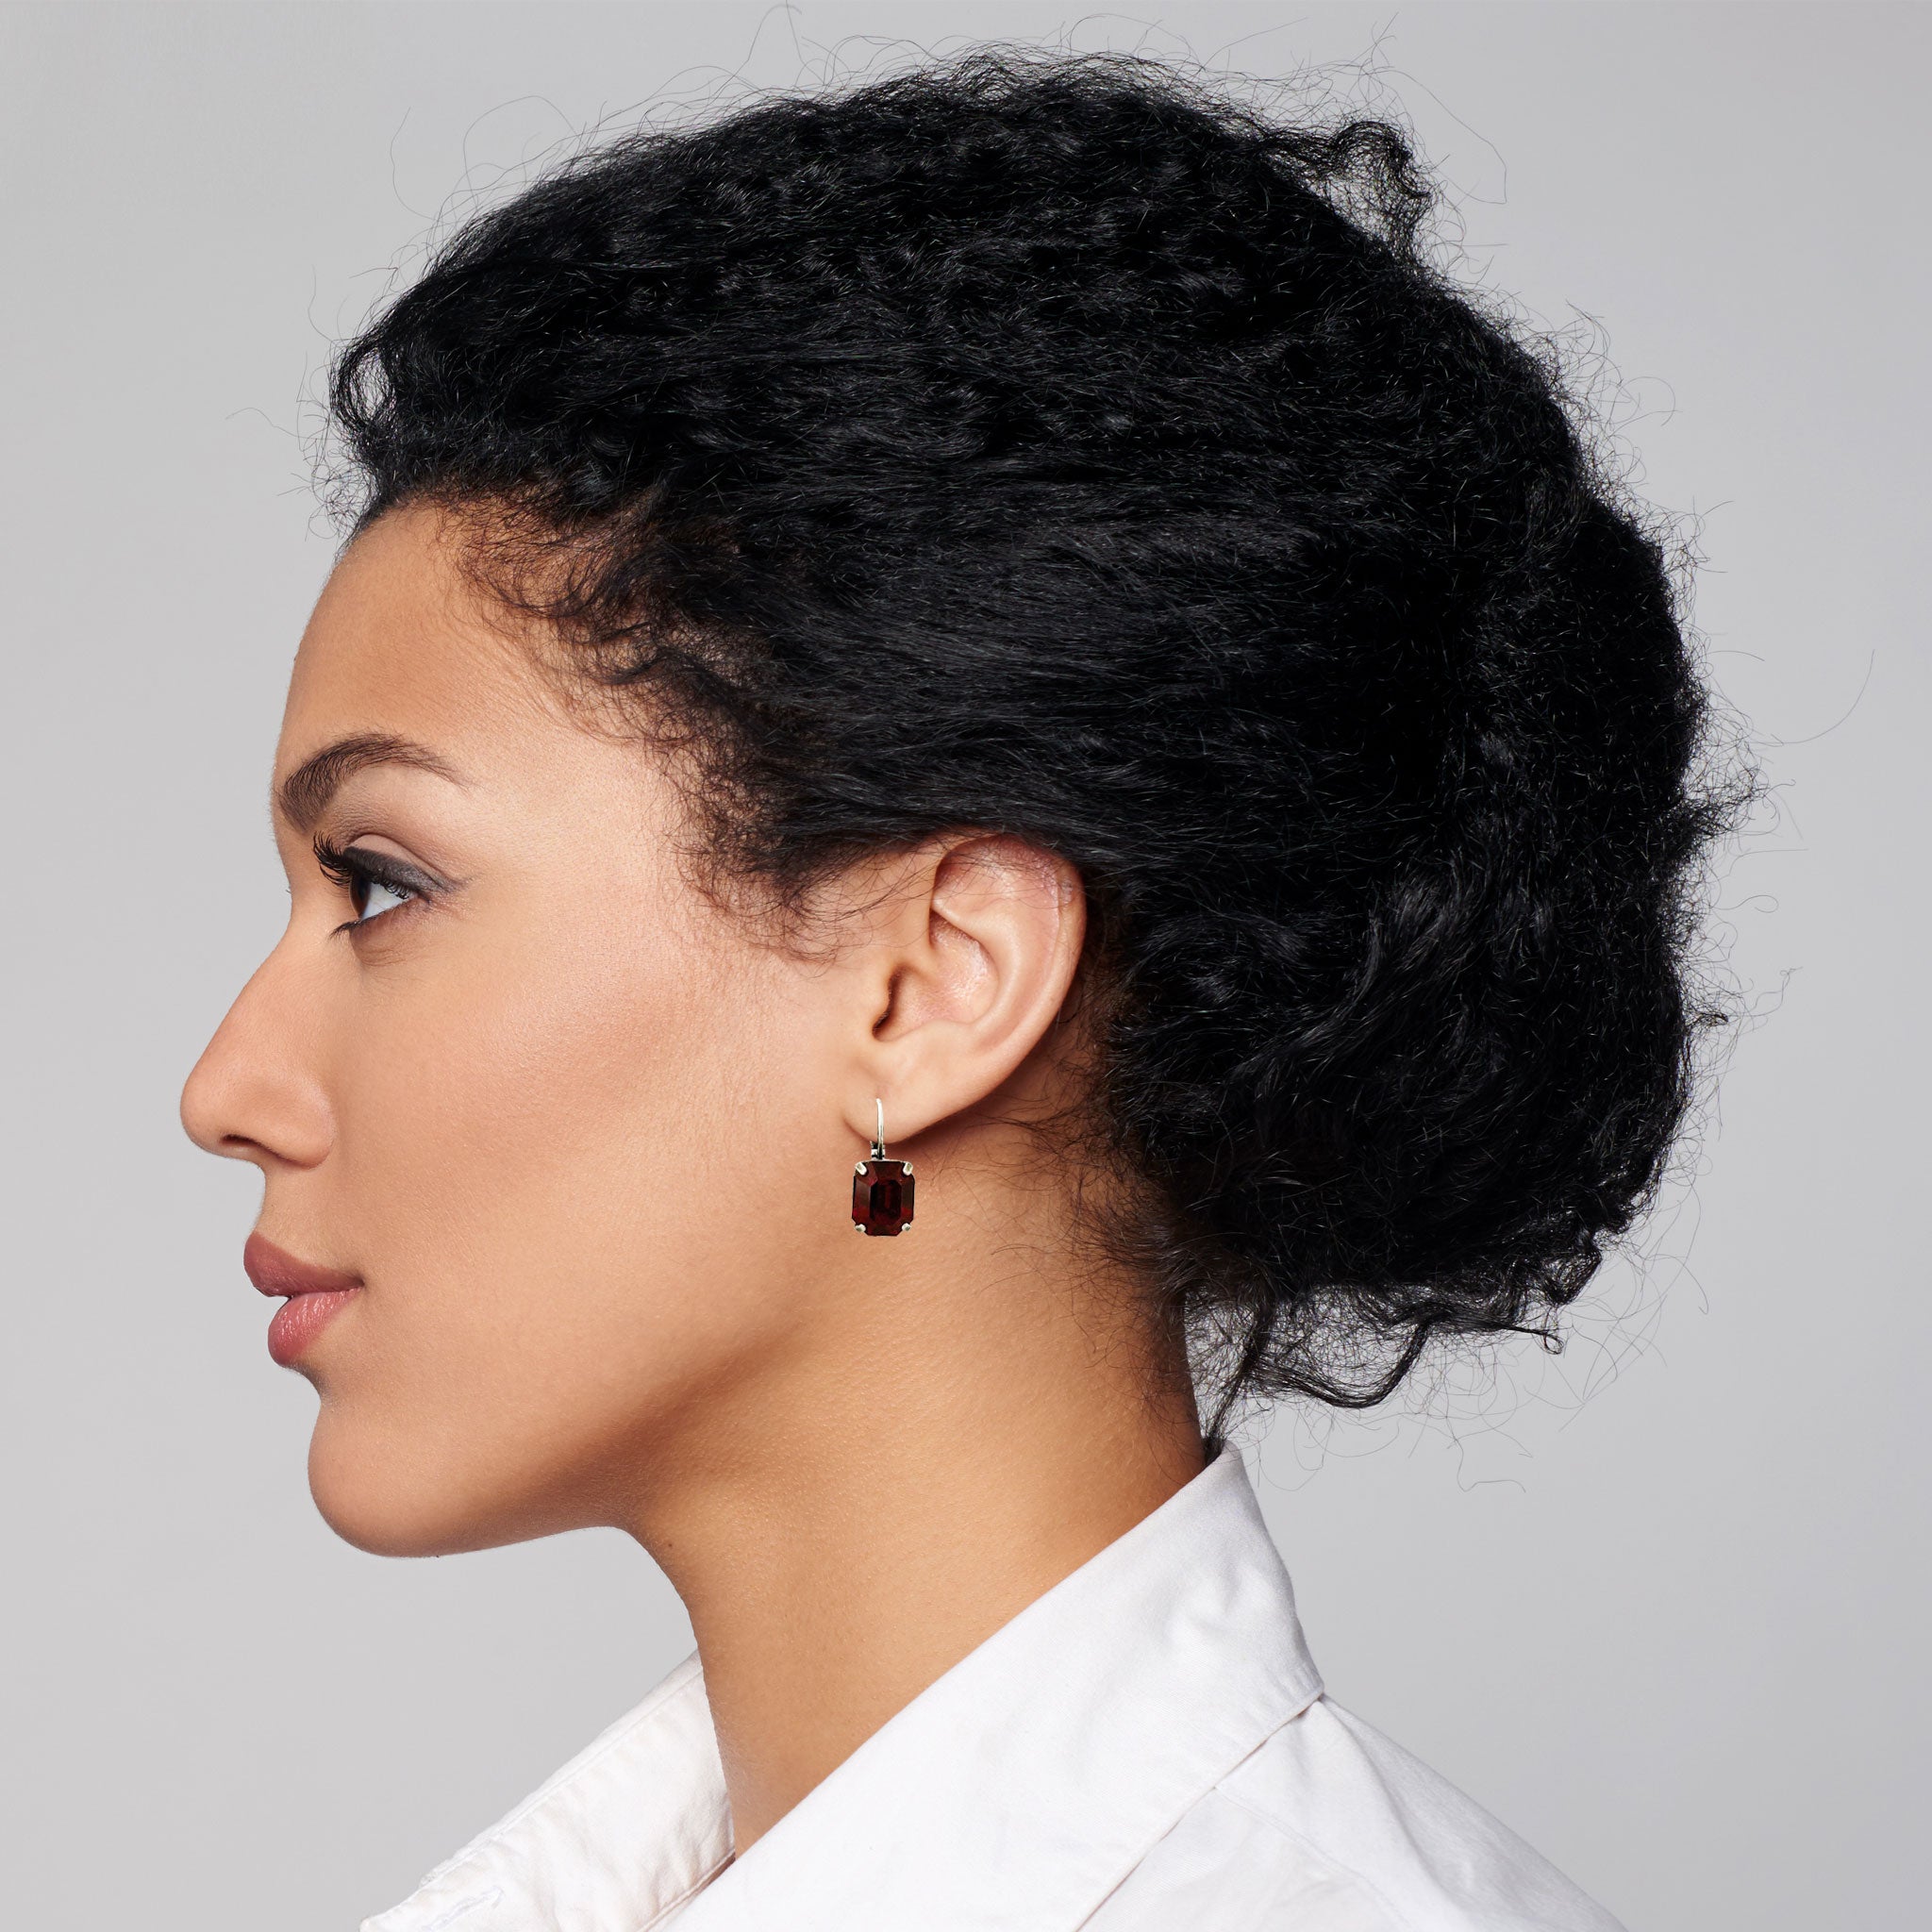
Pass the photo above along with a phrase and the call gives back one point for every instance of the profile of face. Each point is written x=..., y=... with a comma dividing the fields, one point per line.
x=576, y=1132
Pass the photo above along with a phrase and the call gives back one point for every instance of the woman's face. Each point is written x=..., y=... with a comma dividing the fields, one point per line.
x=577, y=1135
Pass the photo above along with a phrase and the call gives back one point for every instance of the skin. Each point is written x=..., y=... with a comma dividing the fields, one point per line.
x=584, y=1137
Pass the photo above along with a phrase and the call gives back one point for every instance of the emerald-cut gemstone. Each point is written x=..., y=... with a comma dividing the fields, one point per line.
x=881, y=1196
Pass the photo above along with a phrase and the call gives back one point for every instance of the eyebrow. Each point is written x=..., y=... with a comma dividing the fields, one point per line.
x=303, y=796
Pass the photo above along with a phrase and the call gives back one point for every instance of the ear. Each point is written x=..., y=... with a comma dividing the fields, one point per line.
x=969, y=960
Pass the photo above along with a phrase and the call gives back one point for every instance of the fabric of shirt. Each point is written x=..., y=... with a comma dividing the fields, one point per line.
x=1146, y=1748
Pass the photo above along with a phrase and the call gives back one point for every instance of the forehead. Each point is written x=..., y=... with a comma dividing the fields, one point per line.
x=402, y=644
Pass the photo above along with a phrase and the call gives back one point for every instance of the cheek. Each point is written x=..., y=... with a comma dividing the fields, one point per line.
x=547, y=1149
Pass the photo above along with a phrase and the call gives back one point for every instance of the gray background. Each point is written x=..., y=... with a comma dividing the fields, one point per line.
x=1661, y=1601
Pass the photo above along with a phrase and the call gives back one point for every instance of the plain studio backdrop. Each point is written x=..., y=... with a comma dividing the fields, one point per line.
x=1659, y=1601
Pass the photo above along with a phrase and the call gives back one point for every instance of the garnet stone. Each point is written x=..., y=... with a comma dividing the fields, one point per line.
x=881, y=1196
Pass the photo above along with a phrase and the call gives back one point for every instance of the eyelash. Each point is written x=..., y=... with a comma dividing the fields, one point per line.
x=356, y=871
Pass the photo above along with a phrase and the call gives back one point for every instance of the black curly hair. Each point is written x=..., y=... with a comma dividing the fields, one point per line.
x=1061, y=446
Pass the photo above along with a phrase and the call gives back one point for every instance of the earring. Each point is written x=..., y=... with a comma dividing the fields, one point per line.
x=881, y=1188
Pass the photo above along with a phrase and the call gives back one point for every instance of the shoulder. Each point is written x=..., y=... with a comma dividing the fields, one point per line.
x=1329, y=1826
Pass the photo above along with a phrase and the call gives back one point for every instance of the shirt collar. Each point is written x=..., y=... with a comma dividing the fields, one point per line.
x=1020, y=1788
x=614, y=1841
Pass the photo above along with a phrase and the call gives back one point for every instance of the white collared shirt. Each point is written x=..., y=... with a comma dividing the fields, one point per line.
x=1146, y=1748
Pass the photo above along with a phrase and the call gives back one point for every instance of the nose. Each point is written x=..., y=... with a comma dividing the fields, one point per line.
x=255, y=1092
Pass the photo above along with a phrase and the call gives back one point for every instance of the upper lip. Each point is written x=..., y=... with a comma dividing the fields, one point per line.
x=275, y=1270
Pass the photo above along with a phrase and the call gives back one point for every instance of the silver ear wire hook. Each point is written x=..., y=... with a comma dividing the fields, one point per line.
x=878, y=1139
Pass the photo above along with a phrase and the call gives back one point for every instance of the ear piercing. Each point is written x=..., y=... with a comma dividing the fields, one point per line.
x=881, y=1188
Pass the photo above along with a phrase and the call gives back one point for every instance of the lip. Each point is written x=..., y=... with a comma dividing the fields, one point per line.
x=315, y=1295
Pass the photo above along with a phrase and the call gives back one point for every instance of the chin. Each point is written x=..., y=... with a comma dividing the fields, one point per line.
x=380, y=1498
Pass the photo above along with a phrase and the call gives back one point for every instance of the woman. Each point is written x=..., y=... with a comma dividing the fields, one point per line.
x=993, y=660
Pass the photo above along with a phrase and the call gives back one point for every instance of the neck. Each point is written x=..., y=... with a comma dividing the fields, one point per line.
x=951, y=1452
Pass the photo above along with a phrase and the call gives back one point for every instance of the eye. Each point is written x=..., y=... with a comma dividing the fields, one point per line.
x=375, y=882
x=378, y=896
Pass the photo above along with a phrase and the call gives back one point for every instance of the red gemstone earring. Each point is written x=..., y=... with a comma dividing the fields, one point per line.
x=881, y=1188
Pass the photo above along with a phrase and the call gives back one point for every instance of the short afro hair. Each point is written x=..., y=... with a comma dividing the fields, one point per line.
x=1061, y=446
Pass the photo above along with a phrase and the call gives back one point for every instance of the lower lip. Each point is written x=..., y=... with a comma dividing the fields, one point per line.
x=301, y=1318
